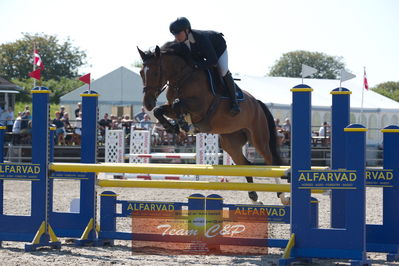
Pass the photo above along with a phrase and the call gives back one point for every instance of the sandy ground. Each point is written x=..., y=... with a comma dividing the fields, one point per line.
x=17, y=201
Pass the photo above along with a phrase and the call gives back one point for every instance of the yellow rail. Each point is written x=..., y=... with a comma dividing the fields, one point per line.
x=172, y=169
x=197, y=185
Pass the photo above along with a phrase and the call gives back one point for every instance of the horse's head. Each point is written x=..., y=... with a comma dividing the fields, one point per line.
x=161, y=66
x=151, y=74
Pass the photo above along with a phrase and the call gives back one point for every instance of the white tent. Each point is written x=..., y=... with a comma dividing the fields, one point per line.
x=378, y=110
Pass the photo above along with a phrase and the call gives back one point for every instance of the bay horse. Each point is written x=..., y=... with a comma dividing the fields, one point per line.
x=188, y=93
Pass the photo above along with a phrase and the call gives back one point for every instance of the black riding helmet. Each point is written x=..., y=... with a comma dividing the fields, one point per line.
x=179, y=25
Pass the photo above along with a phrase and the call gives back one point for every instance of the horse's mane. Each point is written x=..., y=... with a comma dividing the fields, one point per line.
x=171, y=48
x=175, y=48
x=178, y=49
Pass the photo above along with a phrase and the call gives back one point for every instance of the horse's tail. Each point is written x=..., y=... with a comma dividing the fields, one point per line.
x=273, y=135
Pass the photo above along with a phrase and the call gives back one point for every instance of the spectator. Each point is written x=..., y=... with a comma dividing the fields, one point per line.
x=67, y=124
x=26, y=133
x=126, y=124
x=7, y=118
x=279, y=130
x=116, y=122
x=77, y=131
x=16, y=128
x=78, y=124
x=27, y=109
x=146, y=122
x=140, y=116
x=78, y=110
x=324, y=130
x=60, y=129
x=62, y=111
x=25, y=118
x=158, y=132
x=68, y=128
x=105, y=123
x=286, y=127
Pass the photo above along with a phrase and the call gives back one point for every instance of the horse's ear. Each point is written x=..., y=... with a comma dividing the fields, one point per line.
x=142, y=54
x=157, y=51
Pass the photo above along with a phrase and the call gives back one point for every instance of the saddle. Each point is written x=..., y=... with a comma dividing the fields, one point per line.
x=218, y=86
x=218, y=89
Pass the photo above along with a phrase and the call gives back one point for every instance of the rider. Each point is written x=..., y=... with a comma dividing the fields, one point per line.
x=208, y=48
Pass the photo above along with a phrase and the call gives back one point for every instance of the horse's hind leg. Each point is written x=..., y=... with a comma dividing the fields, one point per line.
x=232, y=144
x=261, y=143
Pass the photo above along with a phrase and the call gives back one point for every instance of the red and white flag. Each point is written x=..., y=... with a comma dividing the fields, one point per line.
x=365, y=83
x=37, y=60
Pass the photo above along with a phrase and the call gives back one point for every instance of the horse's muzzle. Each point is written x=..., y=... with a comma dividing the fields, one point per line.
x=149, y=102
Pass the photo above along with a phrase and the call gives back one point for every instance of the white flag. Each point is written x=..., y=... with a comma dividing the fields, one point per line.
x=307, y=71
x=346, y=75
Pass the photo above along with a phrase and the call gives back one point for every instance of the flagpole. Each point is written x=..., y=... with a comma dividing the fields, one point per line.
x=361, y=105
x=34, y=65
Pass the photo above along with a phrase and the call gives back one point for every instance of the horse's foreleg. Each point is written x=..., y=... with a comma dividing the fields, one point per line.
x=160, y=113
x=179, y=109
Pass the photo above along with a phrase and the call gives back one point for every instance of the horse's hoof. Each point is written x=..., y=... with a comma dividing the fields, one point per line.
x=176, y=129
x=253, y=196
x=286, y=201
x=172, y=129
x=186, y=127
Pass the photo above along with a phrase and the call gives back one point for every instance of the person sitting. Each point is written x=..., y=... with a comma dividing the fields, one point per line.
x=59, y=129
x=78, y=109
x=126, y=124
x=146, y=122
x=77, y=131
x=27, y=109
x=104, y=123
x=62, y=111
x=68, y=128
x=279, y=129
x=158, y=132
x=26, y=128
x=207, y=49
x=116, y=122
x=324, y=130
x=287, y=130
x=16, y=129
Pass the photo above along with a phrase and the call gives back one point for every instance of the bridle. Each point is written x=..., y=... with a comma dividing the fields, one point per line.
x=175, y=86
x=158, y=89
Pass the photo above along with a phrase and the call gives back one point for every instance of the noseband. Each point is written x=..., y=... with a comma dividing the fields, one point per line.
x=159, y=89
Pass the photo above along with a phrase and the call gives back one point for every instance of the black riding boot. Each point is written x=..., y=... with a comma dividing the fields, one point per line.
x=228, y=79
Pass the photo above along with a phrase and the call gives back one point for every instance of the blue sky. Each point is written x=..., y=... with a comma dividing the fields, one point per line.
x=364, y=32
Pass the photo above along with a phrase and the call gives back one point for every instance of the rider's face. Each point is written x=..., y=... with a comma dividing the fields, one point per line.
x=181, y=36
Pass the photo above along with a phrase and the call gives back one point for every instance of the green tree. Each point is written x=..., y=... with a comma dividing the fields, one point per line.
x=389, y=89
x=138, y=64
x=61, y=59
x=290, y=65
